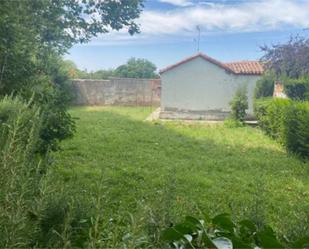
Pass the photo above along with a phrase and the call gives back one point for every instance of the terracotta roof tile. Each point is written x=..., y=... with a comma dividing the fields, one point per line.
x=243, y=67
x=246, y=67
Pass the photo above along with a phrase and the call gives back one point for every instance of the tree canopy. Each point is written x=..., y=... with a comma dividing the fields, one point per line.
x=134, y=68
x=61, y=23
x=287, y=63
x=137, y=68
x=289, y=59
x=34, y=34
x=102, y=74
x=33, y=29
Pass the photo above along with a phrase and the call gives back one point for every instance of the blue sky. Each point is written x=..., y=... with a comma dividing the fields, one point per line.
x=231, y=30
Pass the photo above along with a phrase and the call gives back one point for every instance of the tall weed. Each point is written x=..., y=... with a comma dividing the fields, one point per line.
x=21, y=171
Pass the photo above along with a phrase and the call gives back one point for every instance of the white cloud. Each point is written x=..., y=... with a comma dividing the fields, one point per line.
x=254, y=16
x=250, y=16
x=182, y=3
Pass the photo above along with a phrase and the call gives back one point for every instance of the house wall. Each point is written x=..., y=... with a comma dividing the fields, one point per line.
x=200, y=89
x=117, y=91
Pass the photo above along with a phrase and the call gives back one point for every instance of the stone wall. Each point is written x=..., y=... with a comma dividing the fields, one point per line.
x=117, y=91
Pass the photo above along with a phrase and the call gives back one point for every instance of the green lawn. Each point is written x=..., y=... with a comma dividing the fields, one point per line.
x=146, y=175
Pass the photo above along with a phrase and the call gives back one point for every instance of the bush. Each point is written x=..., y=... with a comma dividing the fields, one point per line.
x=270, y=113
x=221, y=232
x=265, y=86
x=260, y=108
x=297, y=89
x=296, y=131
x=52, y=92
x=287, y=121
x=63, y=220
x=239, y=104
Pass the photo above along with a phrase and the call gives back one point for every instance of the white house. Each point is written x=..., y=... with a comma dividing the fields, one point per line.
x=201, y=87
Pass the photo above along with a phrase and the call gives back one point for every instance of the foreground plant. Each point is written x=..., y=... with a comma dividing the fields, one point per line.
x=222, y=233
x=239, y=104
x=21, y=171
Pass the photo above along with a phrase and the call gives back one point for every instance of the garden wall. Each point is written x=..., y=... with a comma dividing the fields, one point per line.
x=117, y=91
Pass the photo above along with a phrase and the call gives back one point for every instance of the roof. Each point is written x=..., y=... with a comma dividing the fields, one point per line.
x=246, y=67
x=241, y=68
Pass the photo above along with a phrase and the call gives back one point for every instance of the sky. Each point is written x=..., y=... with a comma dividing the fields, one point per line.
x=231, y=30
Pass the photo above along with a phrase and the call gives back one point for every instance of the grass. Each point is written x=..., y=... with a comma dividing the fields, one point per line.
x=147, y=175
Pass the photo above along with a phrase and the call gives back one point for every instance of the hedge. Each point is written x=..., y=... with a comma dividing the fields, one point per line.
x=297, y=89
x=287, y=121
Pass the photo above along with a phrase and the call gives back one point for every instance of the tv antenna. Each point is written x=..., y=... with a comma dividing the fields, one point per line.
x=197, y=40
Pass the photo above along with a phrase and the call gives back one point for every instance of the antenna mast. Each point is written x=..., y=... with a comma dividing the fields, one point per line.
x=198, y=37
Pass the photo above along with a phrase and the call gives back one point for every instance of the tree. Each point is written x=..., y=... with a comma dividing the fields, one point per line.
x=137, y=68
x=34, y=34
x=289, y=62
x=97, y=75
x=290, y=59
x=33, y=28
x=103, y=74
x=71, y=69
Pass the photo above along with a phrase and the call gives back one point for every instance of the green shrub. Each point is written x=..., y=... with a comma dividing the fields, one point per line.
x=265, y=86
x=296, y=131
x=239, y=104
x=297, y=89
x=275, y=118
x=51, y=91
x=260, y=108
x=271, y=114
x=287, y=121
x=62, y=221
x=221, y=232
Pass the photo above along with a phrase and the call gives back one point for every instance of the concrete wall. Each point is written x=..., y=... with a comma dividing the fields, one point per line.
x=200, y=89
x=117, y=91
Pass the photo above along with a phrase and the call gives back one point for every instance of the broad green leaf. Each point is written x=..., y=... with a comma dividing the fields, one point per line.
x=193, y=221
x=249, y=225
x=183, y=228
x=188, y=237
x=239, y=243
x=171, y=235
x=208, y=242
x=224, y=221
x=268, y=239
x=223, y=243
x=177, y=232
x=247, y=230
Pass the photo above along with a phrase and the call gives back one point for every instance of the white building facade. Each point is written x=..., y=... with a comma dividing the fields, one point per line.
x=201, y=87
